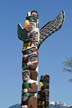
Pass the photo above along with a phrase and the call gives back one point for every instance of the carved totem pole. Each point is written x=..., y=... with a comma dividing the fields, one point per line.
x=32, y=37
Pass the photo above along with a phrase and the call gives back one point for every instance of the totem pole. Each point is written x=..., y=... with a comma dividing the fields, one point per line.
x=32, y=38
x=43, y=93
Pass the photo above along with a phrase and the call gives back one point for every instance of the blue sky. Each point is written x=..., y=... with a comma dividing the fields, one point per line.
x=52, y=53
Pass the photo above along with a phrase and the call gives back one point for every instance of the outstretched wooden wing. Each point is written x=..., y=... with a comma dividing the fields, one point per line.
x=22, y=33
x=51, y=27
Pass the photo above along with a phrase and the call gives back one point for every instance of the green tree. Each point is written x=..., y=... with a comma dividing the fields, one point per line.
x=68, y=66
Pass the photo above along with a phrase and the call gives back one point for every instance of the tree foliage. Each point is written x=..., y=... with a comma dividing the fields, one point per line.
x=68, y=67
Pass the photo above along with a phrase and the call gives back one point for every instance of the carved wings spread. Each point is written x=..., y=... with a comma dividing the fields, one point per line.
x=22, y=33
x=51, y=27
x=46, y=31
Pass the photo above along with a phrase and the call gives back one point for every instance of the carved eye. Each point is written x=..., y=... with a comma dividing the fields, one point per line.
x=33, y=19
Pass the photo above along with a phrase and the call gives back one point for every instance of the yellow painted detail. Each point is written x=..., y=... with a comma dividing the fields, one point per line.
x=41, y=85
x=43, y=102
x=26, y=24
x=27, y=45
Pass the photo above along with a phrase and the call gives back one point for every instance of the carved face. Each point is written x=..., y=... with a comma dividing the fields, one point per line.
x=32, y=20
x=25, y=75
x=32, y=16
x=28, y=52
x=46, y=78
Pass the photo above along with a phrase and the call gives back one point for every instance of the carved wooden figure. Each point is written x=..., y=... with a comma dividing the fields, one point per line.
x=32, y=37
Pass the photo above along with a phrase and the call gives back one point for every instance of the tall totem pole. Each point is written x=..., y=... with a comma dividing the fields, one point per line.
x=32, y=37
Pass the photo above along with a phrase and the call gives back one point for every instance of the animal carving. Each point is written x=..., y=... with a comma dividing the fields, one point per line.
x=32, y=37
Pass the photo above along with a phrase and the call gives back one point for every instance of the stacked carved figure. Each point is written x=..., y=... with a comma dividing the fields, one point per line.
x=32, y=38
x=43, y=94
x=30, y=60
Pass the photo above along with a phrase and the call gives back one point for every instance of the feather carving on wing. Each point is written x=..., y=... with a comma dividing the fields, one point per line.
x=51, y=27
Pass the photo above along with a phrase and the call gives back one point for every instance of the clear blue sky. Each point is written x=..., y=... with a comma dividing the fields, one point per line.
x=52, y=53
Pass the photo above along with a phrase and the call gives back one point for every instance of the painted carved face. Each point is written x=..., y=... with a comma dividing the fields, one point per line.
x=32, y=16
x=32, y=20
x=33, y=59
x=30, y=51
x=46, y=78
x=25, y=75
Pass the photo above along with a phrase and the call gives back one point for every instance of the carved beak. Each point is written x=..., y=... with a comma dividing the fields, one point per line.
x=27, y=24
